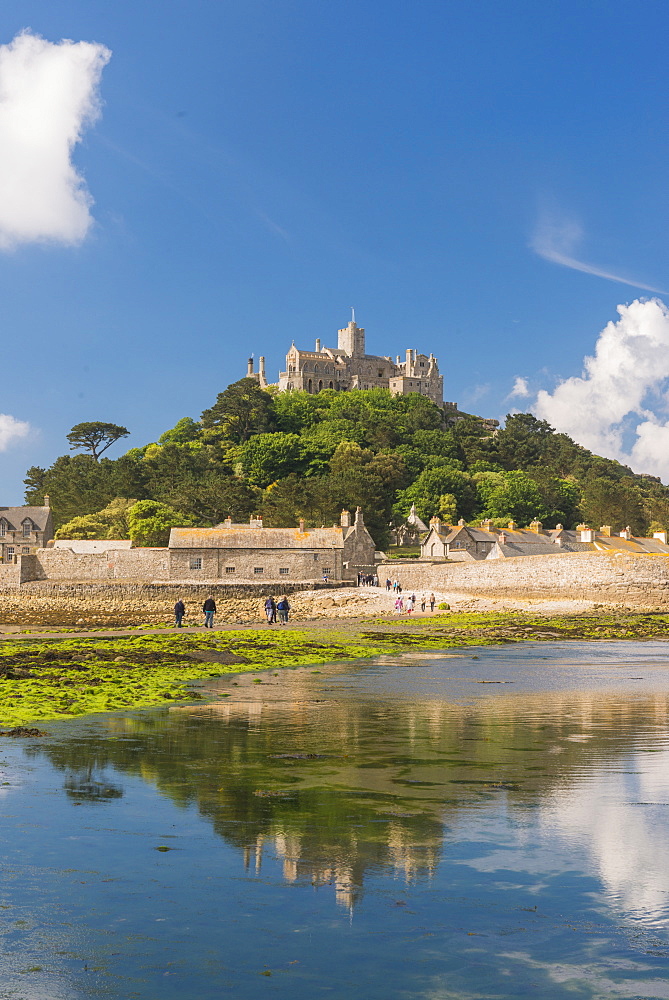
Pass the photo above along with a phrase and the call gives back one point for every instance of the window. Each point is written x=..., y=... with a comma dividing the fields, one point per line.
x=283, y=571
x=315, y=556
x=3, y=529
x=25, y=550
x=27, y=528
x=196, y=563
x=326, y=571
x=422, y=364
x=9, y=552
x=258, y=570
x=229, y=569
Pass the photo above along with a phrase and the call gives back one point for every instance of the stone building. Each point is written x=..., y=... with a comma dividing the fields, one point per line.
x=347, y=366
x=23, y=530
x=251, y=552
x=466, y=543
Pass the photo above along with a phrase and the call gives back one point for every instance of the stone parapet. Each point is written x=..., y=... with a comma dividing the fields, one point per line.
x=637, y=580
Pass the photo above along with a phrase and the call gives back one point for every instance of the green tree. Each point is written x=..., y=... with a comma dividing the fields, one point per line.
x=95, y=436
x=474, y=441
x=267, y=457
x=510, y=495
x=110, y=522
x=184, y=431
x=149, y=522
x=617, y=504
x=429, y=488
x=213, y=496
x=242, y=410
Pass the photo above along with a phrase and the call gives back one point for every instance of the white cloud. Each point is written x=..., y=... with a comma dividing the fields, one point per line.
x=520, y=388
x=48, y=95
x=11, y=430
x=622, y=392
x=557, y=240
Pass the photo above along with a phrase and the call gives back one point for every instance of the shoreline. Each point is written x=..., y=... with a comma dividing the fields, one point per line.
x=60, y=675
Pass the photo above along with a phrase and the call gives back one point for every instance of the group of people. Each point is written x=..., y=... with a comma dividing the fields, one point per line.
x=274, y=608
x=368, y=580
x=280, y=608
x=409, y=605
x=394, y=585
x=208, y=609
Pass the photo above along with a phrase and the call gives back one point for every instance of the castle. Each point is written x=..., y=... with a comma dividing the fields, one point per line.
x=346, y=366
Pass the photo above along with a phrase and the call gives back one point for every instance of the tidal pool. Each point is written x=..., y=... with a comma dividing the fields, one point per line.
x=487, y=823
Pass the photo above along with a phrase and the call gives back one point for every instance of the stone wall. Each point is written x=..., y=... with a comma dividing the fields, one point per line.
x=641, y=581
x=116, y=564
x=104, y=603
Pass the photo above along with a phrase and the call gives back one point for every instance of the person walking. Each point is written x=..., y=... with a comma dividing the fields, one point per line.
x=209, y=608
x=422, y=603
x=179, y=612
x=432, y=602
x=409, y=605
x=270, y=611
x=283, y=607
x=388, y=585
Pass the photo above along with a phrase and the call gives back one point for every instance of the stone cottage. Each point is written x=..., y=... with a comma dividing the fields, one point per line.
x=465, y=543
x=23, y=530
x=251, y=552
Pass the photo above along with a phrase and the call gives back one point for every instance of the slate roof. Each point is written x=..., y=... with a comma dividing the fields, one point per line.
x=539, y=548
x=15, y=516
x=242, y=536
x=635, y=546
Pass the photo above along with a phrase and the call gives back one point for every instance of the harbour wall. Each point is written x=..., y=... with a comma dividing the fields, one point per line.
x=637, y=581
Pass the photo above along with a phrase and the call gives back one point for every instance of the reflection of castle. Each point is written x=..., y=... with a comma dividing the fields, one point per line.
x=346, y=366
x=408, y=859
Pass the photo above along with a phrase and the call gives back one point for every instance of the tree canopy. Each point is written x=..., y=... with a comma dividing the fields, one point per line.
x=292, y=455
x=93, y=434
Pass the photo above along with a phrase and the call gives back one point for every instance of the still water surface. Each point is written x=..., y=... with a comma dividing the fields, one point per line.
x=486, y=824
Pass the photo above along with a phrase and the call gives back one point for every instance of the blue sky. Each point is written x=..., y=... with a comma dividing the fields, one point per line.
x=460, y=173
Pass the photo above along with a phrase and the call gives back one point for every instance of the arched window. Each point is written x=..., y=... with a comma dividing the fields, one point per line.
x=320, y=384
x=309, y=389
x=331, y=385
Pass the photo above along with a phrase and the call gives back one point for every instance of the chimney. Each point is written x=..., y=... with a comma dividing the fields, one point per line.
x=301, y=525
x=502, y=538
x=559, y=527
x=587, y=534
x=461, y=522
x=318, y=346
x=255, y=522
x=345, y=519
x=536, y=526
x=605, y=530
x=358, y=517
x=249, y=368
x=512, y=525
x=228, y=522
x=261, y=371
x=487, y=524
x=626, y=534
x=47, y=500
x=661, y=536
x=435, y=522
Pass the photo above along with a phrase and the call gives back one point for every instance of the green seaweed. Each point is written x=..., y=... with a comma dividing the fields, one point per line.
x=61, y=678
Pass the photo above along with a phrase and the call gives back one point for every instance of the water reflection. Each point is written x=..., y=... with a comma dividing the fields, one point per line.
x=361, y=771
x=461, y=827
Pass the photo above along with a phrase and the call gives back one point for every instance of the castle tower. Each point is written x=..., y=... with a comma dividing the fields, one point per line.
x=351, y=340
